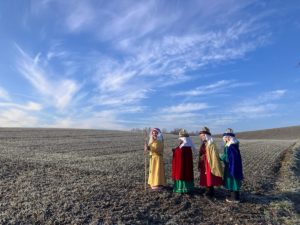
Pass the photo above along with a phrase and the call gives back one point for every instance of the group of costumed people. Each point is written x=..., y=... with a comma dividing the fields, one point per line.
x=215, y=169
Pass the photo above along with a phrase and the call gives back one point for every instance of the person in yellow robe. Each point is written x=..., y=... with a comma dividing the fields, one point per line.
x=156, y=165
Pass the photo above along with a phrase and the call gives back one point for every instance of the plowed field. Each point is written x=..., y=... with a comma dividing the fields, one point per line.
x=51, y=176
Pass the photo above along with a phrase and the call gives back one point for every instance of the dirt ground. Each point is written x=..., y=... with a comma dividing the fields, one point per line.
x=50, y=176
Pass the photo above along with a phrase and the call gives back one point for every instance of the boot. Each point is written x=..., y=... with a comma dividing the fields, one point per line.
x=236, y=196
x=210, y=192
x=229, y=197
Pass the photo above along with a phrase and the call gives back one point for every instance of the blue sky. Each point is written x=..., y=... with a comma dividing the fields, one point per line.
x=168, y=64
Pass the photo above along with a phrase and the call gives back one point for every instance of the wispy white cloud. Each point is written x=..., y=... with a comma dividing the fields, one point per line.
x=136, y=49
x=54, y=53
x=109, y=20
x=184, y=115
x=217, y=87
x=106, y=119
x=255, y=110
x=259, y=106
x=4, y=94
x=124, y=97
x=148, y=51
x=18, y=115
x=273, y=95
x=60, y=91
x=263, y=105
x=115, y=81
x=156, y=64
x=184, y=118
x=264, y=98
x=185, y=108
x=125, y=20
x=80, y=16
x=165, y=50
x=18, y=118
x=30, y=106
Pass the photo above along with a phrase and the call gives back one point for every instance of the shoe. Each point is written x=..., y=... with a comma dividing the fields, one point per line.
x=228, y=200
x=156, y=188
x=232, y=201
x=210, y=197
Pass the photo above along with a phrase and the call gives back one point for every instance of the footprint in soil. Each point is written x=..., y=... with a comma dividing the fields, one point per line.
x=177, y=200
x=185, y=206
x=182, y=207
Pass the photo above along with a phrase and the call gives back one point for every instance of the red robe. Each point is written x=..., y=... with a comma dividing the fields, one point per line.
x=182, y=164
x=206, y=177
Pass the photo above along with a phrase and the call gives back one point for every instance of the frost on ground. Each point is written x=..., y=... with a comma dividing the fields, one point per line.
x=50, y=176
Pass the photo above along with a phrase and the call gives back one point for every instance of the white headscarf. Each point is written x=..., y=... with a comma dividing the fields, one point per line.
x=159, y=136
x=187, y=142
x=209, y=139
x=232, y=140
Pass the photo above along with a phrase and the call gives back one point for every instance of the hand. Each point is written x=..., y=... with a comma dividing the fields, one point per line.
x=145, y=147
x=221, y=156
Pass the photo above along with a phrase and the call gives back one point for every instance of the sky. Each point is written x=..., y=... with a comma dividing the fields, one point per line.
x=126, y=64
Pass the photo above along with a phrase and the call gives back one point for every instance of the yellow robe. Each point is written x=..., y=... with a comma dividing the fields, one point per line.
x=214, y=161
x=156, y=167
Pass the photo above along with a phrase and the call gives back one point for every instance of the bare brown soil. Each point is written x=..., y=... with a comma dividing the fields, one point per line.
x=284, y=133
x=51, y=176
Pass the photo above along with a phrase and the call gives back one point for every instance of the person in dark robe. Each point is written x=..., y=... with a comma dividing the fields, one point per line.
x=233, y=171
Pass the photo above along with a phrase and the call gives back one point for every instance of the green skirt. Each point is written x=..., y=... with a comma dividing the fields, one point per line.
x=230, y=183
x=181, y=186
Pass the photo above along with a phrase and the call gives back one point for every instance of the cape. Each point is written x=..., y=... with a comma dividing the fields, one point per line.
x=182, y=164
x=235, y=162
x=214, y=160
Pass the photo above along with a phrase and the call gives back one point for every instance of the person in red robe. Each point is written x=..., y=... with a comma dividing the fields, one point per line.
x=211, y=170
x=182, y=164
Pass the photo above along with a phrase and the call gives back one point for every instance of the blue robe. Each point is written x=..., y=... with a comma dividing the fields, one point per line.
x=235, y=162
x=233, y=171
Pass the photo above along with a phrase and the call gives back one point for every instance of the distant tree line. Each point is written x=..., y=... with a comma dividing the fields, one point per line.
x=191, y=133
x=164, y=130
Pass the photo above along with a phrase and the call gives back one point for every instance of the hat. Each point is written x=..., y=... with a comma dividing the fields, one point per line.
x=205, y=130
x=229, y=132
x=156, y=129
x=183, y=133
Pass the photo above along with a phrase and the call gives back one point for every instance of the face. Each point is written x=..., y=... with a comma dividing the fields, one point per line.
x=202, y=137
x=226, y=139
x=154, y=135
